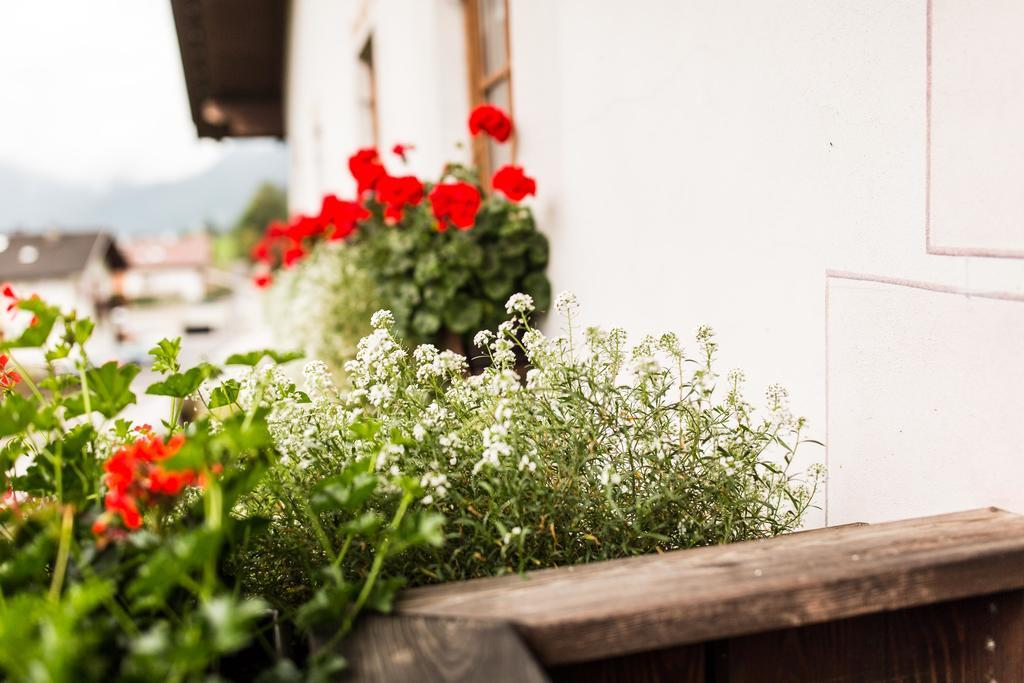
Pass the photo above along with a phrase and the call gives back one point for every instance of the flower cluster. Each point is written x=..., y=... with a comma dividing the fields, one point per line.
x=602, y=440
x=442, y=255
x=136, y=479
x=453, y=203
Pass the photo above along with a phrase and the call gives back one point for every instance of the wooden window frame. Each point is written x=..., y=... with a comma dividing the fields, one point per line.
x=480, y=83
x=366, y=61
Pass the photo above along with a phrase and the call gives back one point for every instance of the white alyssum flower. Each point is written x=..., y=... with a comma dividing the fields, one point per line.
x=382, y=320
x=495, y=438
x=437, y=483
x=519, y=303
x=482, y=339
x=566, y=303
x=319, y=384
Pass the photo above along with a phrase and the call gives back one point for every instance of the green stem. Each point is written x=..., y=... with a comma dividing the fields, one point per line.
x=214, y=506
x=86, y=400
x=63, y=550
x=344, y=550
x=378, y=561
x=318, y=530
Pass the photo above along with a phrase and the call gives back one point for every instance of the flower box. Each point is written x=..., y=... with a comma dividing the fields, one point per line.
x=930, y=599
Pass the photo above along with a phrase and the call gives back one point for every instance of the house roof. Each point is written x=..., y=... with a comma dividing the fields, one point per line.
x=232, y=52
x=26, y=256
x=187, y=251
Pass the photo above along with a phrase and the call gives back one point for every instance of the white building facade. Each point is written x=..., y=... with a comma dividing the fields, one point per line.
x=833, y=185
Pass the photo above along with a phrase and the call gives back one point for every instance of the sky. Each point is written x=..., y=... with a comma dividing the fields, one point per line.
x=92, y=92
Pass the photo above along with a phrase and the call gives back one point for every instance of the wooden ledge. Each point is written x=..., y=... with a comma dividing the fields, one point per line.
x=605, y=609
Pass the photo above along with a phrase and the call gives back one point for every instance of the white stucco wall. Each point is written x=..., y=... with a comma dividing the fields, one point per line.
x=420, y=61
x=713, y=161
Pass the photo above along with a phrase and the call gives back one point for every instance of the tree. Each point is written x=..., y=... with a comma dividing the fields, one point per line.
x=268, y=203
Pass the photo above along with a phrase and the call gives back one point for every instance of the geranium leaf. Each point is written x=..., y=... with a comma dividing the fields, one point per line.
x=181, y=384
x=109, y=389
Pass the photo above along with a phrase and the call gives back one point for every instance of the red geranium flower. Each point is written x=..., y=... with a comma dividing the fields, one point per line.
x=400, y=150
x=366, y=168
x=277, y=229
x=261, y=251
x=292, y=255
x=455, y=203
x=8, y=378
x=303, y=227
x=341, y=216
x=135, y=479
x=262, y=280
x=395, y=193
x=515, y=184
x=492, y=120
x=8, y=293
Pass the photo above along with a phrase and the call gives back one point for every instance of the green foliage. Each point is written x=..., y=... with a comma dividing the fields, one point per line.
x=86, y=596
x=456, y=280
x=127, y=556
x=108, y=388
x=165, y=355
x=181, y=384
x=251, y=358
x=606, y=451
x=440, y=285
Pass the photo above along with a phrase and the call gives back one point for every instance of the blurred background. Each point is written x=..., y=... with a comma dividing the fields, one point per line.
x=109, y=201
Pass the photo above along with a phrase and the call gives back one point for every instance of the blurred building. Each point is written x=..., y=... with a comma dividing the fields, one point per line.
x=166, y=268
x=76, y=270
x=834, y=186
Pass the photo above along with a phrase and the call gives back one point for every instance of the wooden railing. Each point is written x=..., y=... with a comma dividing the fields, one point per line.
x=931, y=599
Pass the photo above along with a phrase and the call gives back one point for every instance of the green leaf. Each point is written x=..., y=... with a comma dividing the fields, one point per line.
x=426, y=323
x=345, y=491
x=232, y=621
x=182, y=384
x=109, y=390
x=538, y=286
x=16, y=413
x=382, y=595
x=61, y=350
x=225, y=394
x=165, y=355
x=463, y=314
x=327, y=606
x=170, y=565
x=37, y=334
x=76, y=460
x=253, y=357
x=365, y=429
x=364, y=525
x=81, y=330
x=282, y=357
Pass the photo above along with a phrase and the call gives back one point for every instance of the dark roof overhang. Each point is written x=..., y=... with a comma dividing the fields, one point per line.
x=232, y=52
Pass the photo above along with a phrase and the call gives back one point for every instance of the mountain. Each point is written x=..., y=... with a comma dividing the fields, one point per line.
x=215, y=196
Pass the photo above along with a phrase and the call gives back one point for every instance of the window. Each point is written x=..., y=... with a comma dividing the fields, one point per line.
x=487, y=47
x=366, y=87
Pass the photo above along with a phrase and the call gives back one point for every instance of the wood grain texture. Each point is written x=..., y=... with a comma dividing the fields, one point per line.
x=980, y=639
x=609, y=609
x=411, y=649
x=977, y=639
x=844, y=651
x=679, y=664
